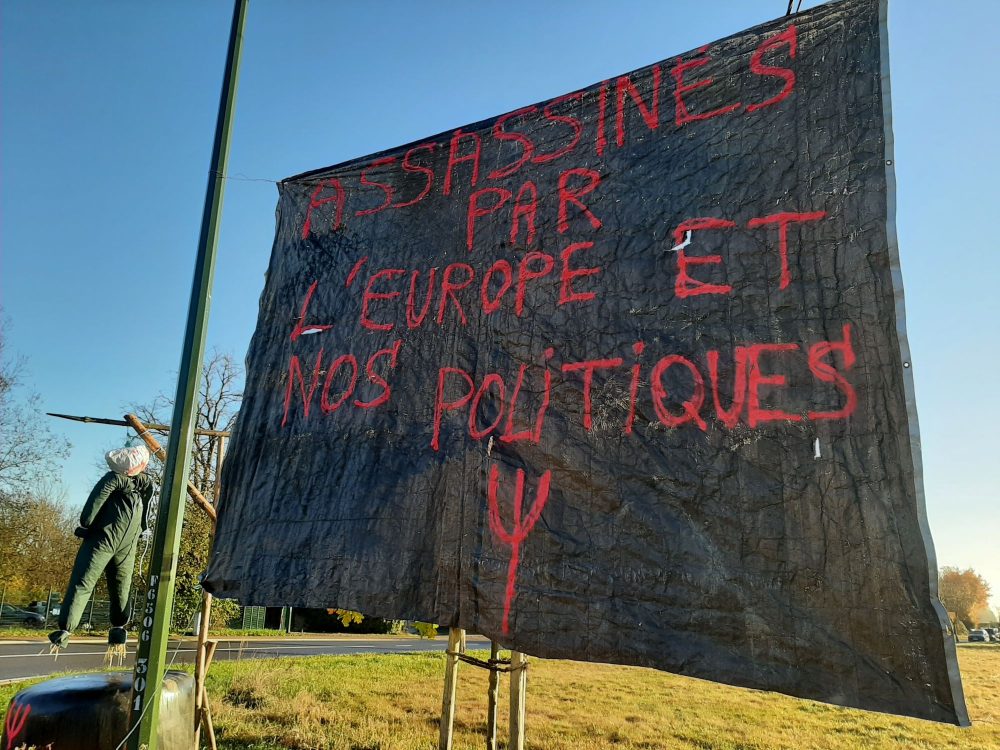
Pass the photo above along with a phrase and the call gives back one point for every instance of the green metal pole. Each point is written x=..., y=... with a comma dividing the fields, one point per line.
x=154, y=630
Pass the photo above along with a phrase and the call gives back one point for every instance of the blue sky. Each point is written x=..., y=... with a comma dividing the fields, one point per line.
x=107, y=112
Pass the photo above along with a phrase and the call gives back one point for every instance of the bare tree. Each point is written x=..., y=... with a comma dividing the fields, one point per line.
x=27, y=446
x=218, y=403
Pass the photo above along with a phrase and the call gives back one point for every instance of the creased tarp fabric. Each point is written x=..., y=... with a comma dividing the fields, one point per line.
x=761, y=528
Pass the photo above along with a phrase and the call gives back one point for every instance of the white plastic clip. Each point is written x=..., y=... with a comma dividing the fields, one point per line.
x=684, y=244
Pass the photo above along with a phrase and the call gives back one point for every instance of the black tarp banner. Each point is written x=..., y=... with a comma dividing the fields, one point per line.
x=619, y=376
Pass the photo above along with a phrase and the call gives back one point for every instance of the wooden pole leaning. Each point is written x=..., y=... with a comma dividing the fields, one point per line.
x=518, y=694
x=206, y=714
x=456, y=642
x=493, y=698
x=206, y=648
x=201, y=710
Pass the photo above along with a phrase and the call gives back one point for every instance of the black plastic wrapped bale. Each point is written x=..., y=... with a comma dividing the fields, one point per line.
x=90, y=712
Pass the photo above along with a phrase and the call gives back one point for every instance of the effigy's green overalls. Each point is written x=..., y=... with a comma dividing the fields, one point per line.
x=114, y=515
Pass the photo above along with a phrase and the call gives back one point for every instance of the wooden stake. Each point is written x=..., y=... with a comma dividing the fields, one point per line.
x=201, y=666
x=493, y=699
x=518, y=691
x=210, y=730
x=456, y=637
x=205, y=715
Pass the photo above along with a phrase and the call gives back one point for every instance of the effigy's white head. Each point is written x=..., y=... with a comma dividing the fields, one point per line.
x=128, y=461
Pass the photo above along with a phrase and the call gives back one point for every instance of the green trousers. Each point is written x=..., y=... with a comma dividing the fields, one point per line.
x=99, y=555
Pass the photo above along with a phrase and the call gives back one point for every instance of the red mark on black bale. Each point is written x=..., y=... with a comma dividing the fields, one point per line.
x=466, y=289
x=521, y=526
x=17, y=717
x=502, y=270
x=566, y=292
x=332, y=372
x=755, y=377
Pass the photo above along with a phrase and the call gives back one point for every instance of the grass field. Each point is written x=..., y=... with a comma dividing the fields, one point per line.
x=392, y=702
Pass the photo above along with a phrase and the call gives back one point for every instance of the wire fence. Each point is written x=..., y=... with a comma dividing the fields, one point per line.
x=18, y=611
x=44, y=613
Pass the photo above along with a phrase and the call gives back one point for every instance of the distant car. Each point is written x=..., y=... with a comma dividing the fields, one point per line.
x=978, y=636
x=39, y=607
x=993, y=633
x=11, y=615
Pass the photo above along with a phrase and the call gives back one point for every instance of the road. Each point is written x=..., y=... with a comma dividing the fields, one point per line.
x=25, y=659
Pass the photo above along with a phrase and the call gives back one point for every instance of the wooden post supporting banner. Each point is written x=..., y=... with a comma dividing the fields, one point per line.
x=493, y=698
x=201, y=669
x=206, y=648
x=517, y=666
x=206, y=710
x=518, y=692
x=456, y=637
